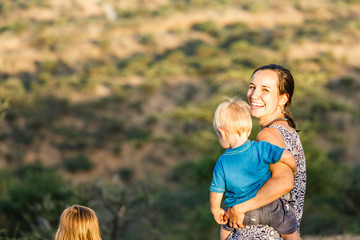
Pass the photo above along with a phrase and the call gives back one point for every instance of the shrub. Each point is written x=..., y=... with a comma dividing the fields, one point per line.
x=147, y=40
x=138, y=136
x=4, y=104
x=150, y=86
x=126, y=174
x=78, y=163
x=17, y=27
x=206, y=50
x=136, y=65
x=29, y=195
x=214, y=65
x=210, y=27
x=14, y=90
x=175, y=56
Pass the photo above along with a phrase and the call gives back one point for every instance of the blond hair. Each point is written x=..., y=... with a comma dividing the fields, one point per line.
x=233, y=115
x=78, y=223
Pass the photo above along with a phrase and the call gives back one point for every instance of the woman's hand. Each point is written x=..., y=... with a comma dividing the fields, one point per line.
x=236, y=216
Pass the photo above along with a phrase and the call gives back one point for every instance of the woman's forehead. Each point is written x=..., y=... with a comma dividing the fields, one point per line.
x=265, y=78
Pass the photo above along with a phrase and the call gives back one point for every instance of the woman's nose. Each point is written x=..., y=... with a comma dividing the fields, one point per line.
x=254, y=94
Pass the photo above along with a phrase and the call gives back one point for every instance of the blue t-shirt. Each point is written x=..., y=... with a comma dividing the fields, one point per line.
x=241, y=171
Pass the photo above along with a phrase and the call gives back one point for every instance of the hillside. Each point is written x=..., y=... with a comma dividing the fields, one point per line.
x=78, y=53
x=124, y=91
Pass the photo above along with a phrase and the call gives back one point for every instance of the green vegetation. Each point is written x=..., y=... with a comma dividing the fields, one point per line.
x=136, y=96
x=78, y=163
x=32, y=197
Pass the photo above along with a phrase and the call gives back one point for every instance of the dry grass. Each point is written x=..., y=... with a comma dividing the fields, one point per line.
x=18, y=53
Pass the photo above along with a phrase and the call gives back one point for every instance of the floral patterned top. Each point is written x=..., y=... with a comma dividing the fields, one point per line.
x=295, y=197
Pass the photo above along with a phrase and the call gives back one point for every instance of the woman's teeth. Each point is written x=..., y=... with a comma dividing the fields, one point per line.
x=257, y=105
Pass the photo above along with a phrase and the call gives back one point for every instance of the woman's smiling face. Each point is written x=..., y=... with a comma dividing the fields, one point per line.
x=263, y=96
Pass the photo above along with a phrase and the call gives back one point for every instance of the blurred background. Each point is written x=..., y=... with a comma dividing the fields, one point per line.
x=109, y=104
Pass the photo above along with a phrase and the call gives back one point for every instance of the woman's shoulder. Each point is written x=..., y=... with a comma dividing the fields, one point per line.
x=272, y=136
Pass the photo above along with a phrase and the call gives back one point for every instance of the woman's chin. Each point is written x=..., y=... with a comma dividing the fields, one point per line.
x=256, y=113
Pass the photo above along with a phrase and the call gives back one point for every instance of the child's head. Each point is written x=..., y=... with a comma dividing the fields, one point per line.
x=233, y=116
x=78, y=223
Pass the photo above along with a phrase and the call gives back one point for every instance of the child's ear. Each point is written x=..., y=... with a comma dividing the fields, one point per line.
x=222, y=132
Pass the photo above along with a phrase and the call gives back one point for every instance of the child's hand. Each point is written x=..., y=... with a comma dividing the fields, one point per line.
x=220, y=216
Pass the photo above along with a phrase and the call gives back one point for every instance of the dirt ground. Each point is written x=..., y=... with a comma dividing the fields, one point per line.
x=339, y=237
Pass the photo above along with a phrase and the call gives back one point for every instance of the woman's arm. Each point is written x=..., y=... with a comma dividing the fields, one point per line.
x=280, y=183
x=288, y=159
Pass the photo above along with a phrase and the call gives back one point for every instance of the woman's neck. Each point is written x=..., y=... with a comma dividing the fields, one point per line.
x=267, y=121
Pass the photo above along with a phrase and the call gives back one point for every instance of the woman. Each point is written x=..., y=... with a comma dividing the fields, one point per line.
x=269, y=96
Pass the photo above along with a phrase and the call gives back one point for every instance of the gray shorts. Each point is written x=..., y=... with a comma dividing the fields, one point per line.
x=277, y=214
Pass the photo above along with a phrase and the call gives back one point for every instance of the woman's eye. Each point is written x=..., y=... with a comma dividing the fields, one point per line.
x=251, y=87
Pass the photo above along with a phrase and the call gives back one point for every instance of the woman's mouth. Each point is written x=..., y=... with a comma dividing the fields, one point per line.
x=257, y=105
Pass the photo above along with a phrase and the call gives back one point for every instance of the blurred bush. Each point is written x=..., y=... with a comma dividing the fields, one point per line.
x=32, y=199
x=78, y=163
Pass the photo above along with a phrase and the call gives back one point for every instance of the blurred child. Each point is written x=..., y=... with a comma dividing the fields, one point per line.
x=243, y=168
x=78, y=223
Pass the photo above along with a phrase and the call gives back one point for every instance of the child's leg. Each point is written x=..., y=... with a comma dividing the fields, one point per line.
x=291, y=236
x=224, y=233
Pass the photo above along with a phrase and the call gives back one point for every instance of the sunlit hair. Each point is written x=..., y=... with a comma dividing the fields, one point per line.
x=233, y=115
x=285, y=84
x=78, y=223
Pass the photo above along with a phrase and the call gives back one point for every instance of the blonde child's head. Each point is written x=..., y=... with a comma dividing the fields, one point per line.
x=78, y=223
x=233, y=115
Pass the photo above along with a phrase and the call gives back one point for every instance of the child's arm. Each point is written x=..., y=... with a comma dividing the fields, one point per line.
x=215, y=203
x=288, y=159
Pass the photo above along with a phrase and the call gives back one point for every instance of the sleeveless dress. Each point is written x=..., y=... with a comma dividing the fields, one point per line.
x=295, y=197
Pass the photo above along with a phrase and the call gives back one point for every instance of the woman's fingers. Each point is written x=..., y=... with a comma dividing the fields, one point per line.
x=236, y=217
x=233, y=224
x=240, y=224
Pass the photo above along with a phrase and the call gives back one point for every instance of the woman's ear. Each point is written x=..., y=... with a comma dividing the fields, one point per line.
x=284, y=99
